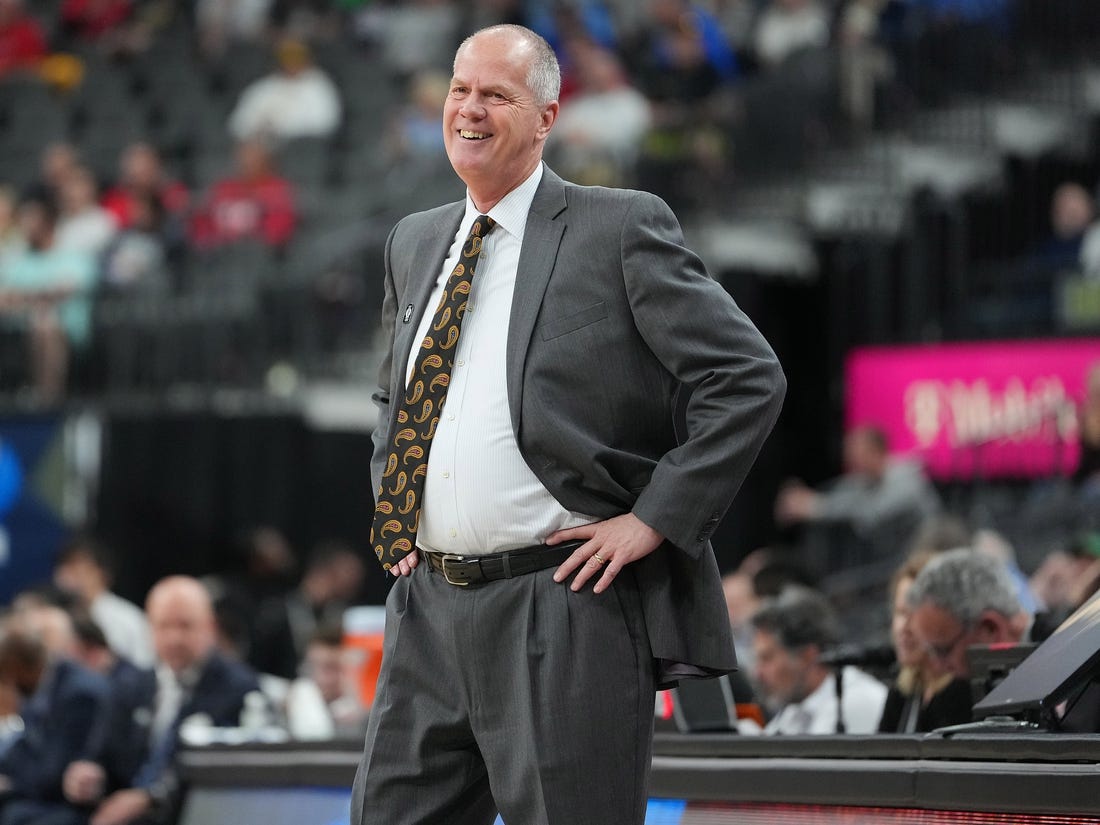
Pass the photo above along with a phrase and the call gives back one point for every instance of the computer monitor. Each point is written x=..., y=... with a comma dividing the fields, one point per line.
x=1053, y=672
x=704, y=706
x=991, y=664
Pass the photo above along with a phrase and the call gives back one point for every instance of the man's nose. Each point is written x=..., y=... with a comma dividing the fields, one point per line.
x=472, y=108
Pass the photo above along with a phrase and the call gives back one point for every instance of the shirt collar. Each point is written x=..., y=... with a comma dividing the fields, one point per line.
x=186, y=678
x=510, y=213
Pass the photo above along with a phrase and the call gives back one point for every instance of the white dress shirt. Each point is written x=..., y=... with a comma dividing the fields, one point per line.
x=479, y=494
x=864, y=696
x=125, y=626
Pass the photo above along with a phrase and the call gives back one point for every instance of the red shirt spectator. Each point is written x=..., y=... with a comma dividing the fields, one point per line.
x=141, y=175
x=91, y=19
x=22, y=43
x=254, y=204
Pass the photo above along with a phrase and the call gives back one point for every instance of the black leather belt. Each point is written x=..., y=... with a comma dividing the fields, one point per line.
x=465, y=570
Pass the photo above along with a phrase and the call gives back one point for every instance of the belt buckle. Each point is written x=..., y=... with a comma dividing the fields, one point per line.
x=446, y=575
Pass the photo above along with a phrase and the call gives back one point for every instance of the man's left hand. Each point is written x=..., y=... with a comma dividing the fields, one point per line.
x=122, y=807
x=609, y=546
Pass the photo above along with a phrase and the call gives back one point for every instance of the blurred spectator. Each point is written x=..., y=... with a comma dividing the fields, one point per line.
x=254, y=204
x=883, y=500
x=322, y=701
x=142, y=175
x=741, y=603
x=12, y=242
x=599, y=131
x=47, y=291
x=222, y=22
x=1065, y=580
x=792, y=633
x=129, y=697
x=559, y=23
x=135, y=261
x=416, y=133
x=191, y=679
x=923, y=697
x=680, y=62
x=786, y=27
x=59, y=162
x=84, y=569
x=285, y=625
x=263, y=568
x=996, y=546
x=961, y=598
x=94, y=20
x=682, y=55
x=1071, y=212
x=22, y=42
x=62, y=707
x=84, y=226
x=737, y=19
x=417, y=35
x=299, y=100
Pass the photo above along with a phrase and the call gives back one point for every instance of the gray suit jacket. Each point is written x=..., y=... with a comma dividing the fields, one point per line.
x=613, y=320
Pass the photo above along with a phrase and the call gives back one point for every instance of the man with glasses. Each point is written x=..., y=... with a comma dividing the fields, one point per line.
x=963, y=598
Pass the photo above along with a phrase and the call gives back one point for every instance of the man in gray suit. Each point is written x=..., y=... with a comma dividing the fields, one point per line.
x=563, y=518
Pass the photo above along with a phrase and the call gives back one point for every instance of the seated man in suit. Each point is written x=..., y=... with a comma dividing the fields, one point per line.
x=191, y=678
x=62, y=705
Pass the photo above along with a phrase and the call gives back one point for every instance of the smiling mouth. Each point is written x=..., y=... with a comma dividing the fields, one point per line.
x=467, y=134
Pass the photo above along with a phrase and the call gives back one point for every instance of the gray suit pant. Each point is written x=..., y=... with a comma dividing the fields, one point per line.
x=517, y=695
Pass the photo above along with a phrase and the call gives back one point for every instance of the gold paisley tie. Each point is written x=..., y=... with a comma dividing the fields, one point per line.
x=397, y=513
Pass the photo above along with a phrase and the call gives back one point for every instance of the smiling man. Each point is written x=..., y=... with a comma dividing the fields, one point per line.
x=548, y=529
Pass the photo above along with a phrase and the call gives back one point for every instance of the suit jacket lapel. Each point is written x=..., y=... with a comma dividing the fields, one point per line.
x=424, y=268
x=541, y=240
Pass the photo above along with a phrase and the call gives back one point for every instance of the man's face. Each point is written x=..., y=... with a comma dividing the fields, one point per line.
x=943, y=638
x=325, y=665
x=493, y=128
x=183, y=631
x=780, y=673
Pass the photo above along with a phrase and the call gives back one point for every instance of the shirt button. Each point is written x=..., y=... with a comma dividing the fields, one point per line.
x=450, y=417
x=460, y=363
x=446, y=475
x=454, y=533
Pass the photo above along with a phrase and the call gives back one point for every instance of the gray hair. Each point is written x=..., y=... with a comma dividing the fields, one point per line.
x=964, y=583
x=798, y=617
x=544, y=74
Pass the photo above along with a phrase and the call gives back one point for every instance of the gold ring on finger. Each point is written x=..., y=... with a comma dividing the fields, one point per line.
x=599, y=559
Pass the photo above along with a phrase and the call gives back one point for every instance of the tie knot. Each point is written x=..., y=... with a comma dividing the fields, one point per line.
x=483, y=225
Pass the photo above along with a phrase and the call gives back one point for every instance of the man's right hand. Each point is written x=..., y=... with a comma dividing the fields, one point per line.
x=83, y=782
x=406, y=565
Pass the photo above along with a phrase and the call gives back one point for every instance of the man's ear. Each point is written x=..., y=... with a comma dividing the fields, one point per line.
x=992, y=627
x=547, y=116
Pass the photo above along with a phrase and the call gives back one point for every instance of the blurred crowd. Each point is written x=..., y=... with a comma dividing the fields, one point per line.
x=97, y=695
x=935, y=586
x=330, y=109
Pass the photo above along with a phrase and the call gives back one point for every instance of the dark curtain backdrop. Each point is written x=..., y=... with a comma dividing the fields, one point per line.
x=177, y=490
